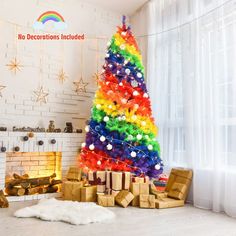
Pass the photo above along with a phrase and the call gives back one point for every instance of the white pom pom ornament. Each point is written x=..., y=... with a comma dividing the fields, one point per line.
x=98, y=106
x=122, y=46
x=102, y=138
x=99, y=163
x=139, y=75
x=157, y=167
x=133, y=154
x=127, y=71
x=109, y=147
x=91, y=147
x=106, y=118
x=123, y=118
x=139, y=136
x=143, y=123
x=130, y=137
x=83, y=145
x=134, y=117
x=150, y=147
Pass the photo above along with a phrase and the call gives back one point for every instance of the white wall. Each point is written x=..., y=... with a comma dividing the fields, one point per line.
x=17, y=105
x=139, y=25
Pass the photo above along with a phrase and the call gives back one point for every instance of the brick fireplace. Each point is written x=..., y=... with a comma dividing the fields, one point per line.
x=37, y=157
x=35, y=164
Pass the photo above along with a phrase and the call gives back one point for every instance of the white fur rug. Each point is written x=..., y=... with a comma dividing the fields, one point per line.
x=76, y=213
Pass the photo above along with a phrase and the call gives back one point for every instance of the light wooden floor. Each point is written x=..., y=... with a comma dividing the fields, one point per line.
x=130, y=221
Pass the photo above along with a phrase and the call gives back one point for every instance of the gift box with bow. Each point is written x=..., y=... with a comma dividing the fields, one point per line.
x=74, y=174
x=71, y=190
x=89, y=193
x=98, y=178
x=139, y=179
x=146, y=201
x=124, y=198
x=177, y=191
x=117, y=181
x=137, y=189
x=106, y=200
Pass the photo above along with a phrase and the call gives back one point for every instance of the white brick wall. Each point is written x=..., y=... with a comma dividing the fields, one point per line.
x=17, y=105
x=67, y=144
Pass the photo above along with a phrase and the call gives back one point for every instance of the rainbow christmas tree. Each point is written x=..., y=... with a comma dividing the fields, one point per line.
x=121, y=135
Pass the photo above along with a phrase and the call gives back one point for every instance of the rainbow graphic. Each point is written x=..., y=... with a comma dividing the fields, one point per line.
x=59, y=22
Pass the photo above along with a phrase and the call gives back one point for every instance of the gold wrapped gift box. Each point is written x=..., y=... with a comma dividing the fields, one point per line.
x=177, y=191
x=168, y=203
x=140, y=179
x=137, y=189
x=181, y=176
x=74, y=174
x=124, y=198
x=71, y=190
x=89, y=193
x=98, y=178
x=146, y=201
x=118, y=181
x=106, y=200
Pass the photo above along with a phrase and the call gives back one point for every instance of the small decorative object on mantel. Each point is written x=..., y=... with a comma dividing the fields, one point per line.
x=57, y=130
x=3, y=149
x=3, y=128
x=68, y=128
x=40, y=143
x=25, y=138
x=28, y=129
x=51, y=127
x=3, y=200
x=16, y=149
x=79, y=131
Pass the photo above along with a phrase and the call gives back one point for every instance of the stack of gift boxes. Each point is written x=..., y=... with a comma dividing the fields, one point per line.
x=108, y=188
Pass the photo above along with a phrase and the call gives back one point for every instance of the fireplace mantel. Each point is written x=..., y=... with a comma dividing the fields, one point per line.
x=66, y=143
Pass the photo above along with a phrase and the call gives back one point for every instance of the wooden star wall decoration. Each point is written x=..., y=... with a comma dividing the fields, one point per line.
x=41, y=95
x=96, y=77
x=14, y=65
x=62, y=76
x=1, y=88
x=80, y=86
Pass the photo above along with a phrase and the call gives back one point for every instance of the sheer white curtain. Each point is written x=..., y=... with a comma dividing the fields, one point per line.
x=191, y=75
